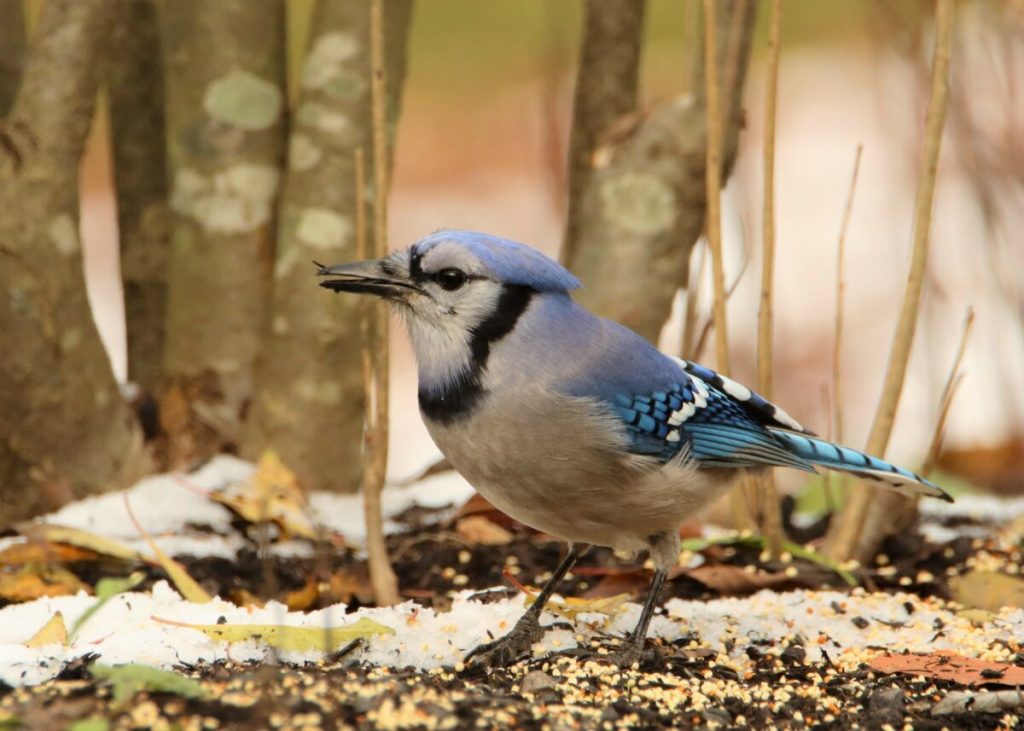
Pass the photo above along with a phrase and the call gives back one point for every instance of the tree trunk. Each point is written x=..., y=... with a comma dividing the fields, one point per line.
x=642, y=207
x=309, y=403
x=606, y=91
x=65, y=431
x=134, y=78
x=12, y=50
x=225, y=119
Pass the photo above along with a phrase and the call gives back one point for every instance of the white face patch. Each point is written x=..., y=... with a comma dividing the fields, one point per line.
x=441, y=322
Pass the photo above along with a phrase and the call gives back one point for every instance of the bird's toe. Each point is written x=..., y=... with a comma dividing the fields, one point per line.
x=505, y=650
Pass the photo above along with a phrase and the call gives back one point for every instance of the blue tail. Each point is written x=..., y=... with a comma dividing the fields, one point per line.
x=826, y=454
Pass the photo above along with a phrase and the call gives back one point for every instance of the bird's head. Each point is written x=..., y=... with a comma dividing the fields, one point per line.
x=457, y=290
x=452, y=280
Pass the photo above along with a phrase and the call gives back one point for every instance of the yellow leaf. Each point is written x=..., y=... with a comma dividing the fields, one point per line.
x=573, y=606
x=186, y=585
x=54, y=632
x=76, y=537
x=988, y=590
x=284, y=637
x=273, y=494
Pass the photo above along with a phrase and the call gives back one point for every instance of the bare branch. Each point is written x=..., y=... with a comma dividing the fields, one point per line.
x=382, y=576
x=769, y=517
x=871, y=513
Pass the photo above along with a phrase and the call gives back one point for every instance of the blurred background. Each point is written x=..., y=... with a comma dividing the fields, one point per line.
x=482, y=143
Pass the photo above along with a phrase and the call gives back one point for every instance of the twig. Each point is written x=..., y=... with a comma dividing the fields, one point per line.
x=713, y=181
x=694, y=283
x=769, y=518
x=849, y=534
x=837, y=344
x=382, y=576
x=948, y=394
x=826, y=402
x=713, y=223
x=709, y=325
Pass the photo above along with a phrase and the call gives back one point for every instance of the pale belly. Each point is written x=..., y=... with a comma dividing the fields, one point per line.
x=557, y=465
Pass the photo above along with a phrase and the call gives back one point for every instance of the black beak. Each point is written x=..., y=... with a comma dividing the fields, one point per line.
x=365, y=277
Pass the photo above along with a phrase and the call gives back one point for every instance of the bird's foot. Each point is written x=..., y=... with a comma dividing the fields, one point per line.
x=505, y=650
x=631, y=653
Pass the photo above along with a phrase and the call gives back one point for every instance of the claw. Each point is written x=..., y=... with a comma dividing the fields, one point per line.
x=506, y=650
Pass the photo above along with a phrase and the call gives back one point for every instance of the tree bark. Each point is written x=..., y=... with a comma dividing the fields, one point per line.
x=606, y=91
x=134, y=78
x=12, y=50
x=643, y=205
x=225, y=119
x=310, y=402
x=65, y=431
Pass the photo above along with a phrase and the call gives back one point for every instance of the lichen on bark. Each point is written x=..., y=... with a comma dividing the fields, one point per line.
x=642, y=199
x=224, y=66
x=309, y=403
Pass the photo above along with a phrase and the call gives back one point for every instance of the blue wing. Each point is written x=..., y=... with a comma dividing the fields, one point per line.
x=721, y=423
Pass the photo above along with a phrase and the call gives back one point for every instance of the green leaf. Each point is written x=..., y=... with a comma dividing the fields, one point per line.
x=129, y=680
x=90, y=724
x=106, y=589
x=753, y=541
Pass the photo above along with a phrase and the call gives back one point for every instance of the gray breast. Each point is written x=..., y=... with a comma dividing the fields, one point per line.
x=558, y=464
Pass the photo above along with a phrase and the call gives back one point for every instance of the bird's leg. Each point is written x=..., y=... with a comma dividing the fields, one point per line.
x=505, y=650
x=633, y=651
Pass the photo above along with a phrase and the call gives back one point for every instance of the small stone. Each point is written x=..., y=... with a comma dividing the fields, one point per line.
x=537, y=681
x=887, y=700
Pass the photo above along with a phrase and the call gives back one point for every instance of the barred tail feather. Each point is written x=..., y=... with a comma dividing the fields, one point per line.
x=844, y=459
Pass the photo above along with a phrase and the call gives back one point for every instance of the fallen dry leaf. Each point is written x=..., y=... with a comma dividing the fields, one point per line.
x=34, y=581
x=304, y=597
x=54, y=632
x=481, y=531
x=730, y=580
x=479, y=505
x=76, y=537
x=346, y=585
x=571, y=607
x=945, y=666
x=244, y=598
x=619, y=581
x=988, y=590
x=271, y=495
x=44, y=552
x=287, y=637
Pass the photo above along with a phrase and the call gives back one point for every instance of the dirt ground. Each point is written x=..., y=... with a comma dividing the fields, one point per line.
x=680, y=686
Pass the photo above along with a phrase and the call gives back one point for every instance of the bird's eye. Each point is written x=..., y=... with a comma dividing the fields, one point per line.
x=450, y=279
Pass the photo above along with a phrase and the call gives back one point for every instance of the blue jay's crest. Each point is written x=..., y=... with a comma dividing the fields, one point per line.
x=507, y=261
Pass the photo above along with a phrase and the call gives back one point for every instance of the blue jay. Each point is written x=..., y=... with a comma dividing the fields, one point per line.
x=573, y=424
